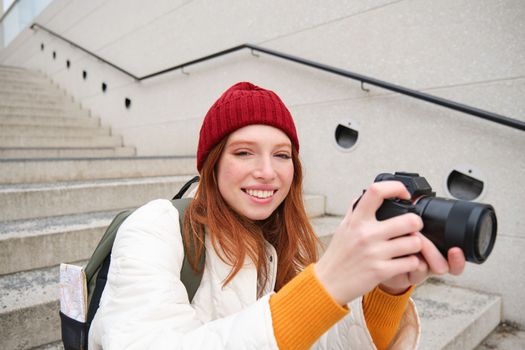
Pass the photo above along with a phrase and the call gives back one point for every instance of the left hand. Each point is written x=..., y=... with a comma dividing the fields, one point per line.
x=431, y=262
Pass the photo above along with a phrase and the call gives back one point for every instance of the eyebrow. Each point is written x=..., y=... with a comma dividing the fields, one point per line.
x=241, y=142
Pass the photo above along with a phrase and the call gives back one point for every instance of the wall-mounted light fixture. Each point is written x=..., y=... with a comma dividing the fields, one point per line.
x=465, y=182
x=346, y=135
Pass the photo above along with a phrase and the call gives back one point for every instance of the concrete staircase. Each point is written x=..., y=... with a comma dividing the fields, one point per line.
x=63, y=177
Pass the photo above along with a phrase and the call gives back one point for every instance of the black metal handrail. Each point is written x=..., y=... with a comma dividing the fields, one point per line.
x=497, y=118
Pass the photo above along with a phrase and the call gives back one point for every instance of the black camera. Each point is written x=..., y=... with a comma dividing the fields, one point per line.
x=447, y=222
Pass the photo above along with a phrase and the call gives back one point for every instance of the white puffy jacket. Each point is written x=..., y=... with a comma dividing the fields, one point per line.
x=145, y=305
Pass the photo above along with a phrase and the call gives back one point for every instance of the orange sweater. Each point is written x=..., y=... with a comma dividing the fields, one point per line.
x=303, y=310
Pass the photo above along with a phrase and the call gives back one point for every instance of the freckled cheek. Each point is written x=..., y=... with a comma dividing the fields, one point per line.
x=287, y=175
x=231, y=172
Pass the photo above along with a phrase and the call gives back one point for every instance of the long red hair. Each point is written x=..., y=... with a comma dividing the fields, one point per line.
x=234, y=237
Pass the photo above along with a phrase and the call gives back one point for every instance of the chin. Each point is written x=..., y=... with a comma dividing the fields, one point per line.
x=256, y=215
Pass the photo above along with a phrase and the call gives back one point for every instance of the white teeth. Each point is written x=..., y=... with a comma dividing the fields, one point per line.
x=260, y=194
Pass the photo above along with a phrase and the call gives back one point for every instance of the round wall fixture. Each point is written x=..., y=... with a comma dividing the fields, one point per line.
x=346, y=135
x=465, y=182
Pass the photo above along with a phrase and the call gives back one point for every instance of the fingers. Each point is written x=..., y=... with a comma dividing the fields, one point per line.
x=402, y=246
x=401, y=265
x=436, y=262
x=456, y=261
x=374, y=196
x=421, y=273
x=401, y=225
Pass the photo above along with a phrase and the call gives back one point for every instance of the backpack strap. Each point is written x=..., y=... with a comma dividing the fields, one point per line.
x=104, y=246
x=185, y=187
x=101, y=279
x=189, y=277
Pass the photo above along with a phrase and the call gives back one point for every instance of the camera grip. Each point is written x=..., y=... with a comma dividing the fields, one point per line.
x=391, y=207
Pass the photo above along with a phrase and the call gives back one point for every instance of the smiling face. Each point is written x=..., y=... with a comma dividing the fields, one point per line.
x=255, y=170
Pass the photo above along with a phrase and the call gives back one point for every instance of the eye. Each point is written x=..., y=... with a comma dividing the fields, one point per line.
x=283, y=155
x=241, y=153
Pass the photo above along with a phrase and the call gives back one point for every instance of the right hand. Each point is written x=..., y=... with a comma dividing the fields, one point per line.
x=364, y=251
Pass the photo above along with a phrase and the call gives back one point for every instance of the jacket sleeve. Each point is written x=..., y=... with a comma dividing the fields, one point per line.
x=145, y=305
x=352, y=332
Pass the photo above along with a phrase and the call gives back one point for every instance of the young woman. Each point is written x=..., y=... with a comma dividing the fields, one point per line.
x=263, y=286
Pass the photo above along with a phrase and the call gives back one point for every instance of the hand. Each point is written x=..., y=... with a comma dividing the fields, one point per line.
x=431, y=262
x=365, y=251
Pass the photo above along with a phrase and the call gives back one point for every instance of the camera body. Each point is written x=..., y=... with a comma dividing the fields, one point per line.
x=447, y=222
x=416, y=185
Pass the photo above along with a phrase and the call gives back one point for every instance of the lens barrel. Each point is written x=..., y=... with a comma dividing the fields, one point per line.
x=453, y=223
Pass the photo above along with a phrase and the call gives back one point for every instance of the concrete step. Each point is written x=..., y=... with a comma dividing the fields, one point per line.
x=52, y=91
x=506, y=336
x=24, y=99
x=57, y=111
x=18, y=70
x=28, y=201
x=62, y=103
x=451, y=317
x=60, y=152
x=54, y=142
x=29, y=87
x=21, y=74
x=52, y=131
x=14, y=97
x=325, y=227
x=28, y=81
x=79, y=169
x=5, y=68
x=29, y=309
x=15, y=119
x=314, y=205
x=36, y=243
x=23, y=78
x=46, y=113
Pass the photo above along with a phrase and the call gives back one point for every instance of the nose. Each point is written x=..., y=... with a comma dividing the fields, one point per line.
x=265, y=169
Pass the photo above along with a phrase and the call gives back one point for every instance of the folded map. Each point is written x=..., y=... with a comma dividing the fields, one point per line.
x=73, y=292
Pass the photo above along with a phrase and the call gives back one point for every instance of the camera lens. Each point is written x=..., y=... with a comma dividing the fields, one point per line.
x=484, y=239
x=452, y=223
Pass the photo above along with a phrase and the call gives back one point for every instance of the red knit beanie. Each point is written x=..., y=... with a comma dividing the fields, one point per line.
x=241, y=105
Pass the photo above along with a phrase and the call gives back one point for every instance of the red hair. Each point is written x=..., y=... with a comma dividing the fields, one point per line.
x=234, y=236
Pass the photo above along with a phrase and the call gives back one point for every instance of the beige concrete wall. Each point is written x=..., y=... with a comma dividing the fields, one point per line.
x=467, y=50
